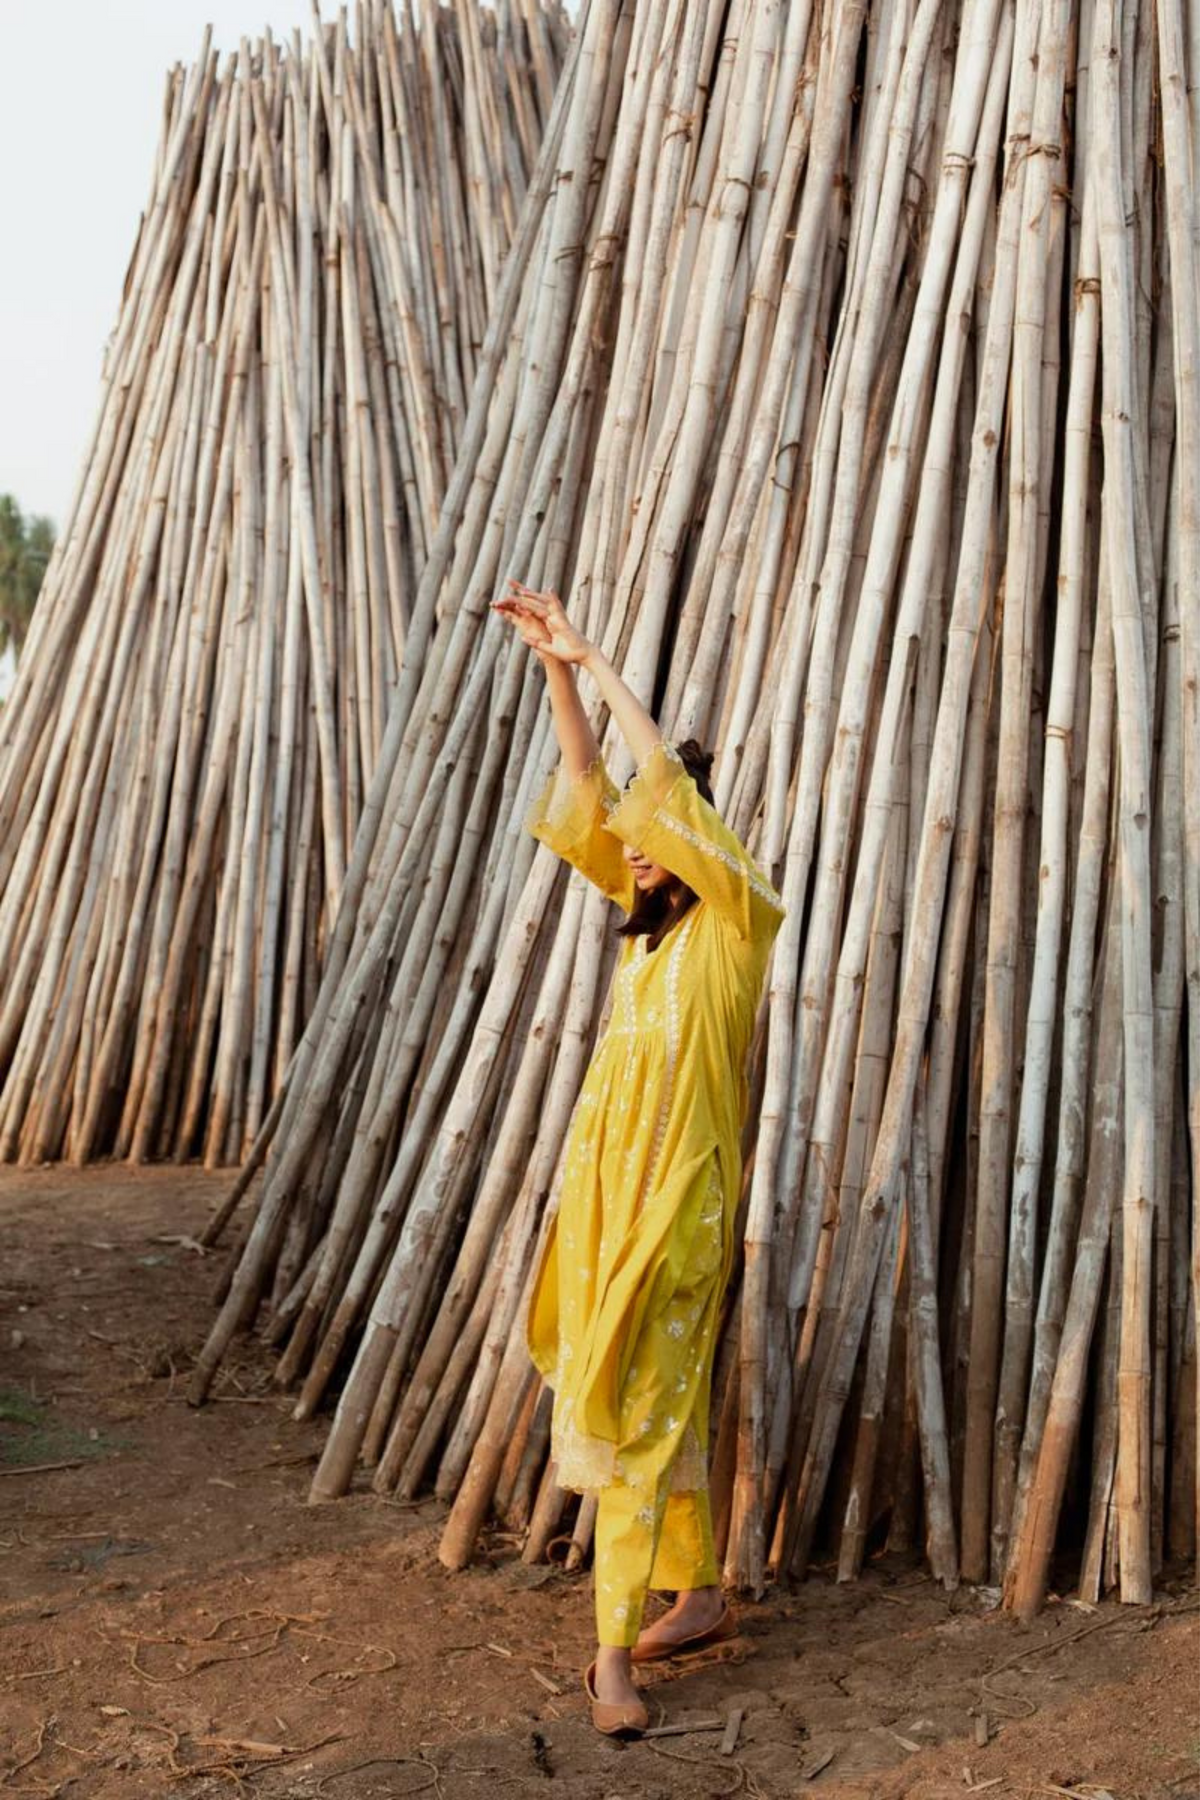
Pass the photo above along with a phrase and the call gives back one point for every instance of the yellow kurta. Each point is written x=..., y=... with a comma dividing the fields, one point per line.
x=624, y=1311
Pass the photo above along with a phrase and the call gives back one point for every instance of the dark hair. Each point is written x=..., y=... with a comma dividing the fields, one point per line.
x=655, y=912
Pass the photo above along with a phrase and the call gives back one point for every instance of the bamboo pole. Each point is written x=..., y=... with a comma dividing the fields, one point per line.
x=1132, y=589
x=768, y=384
x=266, y=275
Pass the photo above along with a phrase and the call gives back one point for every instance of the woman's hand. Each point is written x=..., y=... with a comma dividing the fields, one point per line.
x=530, y=629
x=543, y=624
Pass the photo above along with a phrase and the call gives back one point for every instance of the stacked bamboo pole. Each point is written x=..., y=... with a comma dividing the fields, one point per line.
x=843, y=373
x=201, y=703
x=894, y=505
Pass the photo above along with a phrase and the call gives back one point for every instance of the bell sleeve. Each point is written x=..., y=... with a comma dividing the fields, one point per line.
x=569, y=816
x=663, y=814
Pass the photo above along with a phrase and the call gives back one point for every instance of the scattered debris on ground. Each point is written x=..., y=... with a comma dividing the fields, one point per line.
x=166, y=1547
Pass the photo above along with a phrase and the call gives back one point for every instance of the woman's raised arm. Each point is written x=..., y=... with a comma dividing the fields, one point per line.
x=568, y=815
x=662, y=813
x=558, y=651
x=543, y=623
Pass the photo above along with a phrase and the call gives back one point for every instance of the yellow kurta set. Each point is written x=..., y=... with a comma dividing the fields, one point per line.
x=624, y=1311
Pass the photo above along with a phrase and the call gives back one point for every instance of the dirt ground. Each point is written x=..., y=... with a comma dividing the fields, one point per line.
x=176, y=1546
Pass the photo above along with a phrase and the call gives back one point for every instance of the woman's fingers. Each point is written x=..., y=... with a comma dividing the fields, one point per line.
x=530, y=628
x=513, y=610
x=555, y=614
x=526, y=596
x=545, y=610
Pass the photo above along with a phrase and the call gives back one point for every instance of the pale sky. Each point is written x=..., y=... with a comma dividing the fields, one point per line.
x=81, y=89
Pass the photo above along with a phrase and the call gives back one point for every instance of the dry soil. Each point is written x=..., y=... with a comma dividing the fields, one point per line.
x=176, y=1619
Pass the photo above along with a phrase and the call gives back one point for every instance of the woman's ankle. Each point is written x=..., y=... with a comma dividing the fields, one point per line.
x=700, y=1599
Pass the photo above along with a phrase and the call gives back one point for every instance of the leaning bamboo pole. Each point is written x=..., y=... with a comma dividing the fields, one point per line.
x=1133, y=597
x=770, y=387
x=282, y=401
x=852, y=587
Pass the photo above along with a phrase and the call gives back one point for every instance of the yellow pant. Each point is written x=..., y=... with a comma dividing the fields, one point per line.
x=647, y=1538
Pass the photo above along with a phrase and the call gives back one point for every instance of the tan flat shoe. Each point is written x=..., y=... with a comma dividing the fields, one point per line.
x=658, y=1650
x=624, y=1720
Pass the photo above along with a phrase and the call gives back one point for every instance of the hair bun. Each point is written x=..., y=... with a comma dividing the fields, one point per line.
x=692, y=751
x=698, y=762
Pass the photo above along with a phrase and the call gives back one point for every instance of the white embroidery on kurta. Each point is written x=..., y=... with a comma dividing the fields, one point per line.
x=762, y=888
x=674, y=963
x=740, y=865
x=584, y=1461
x=689, y=1471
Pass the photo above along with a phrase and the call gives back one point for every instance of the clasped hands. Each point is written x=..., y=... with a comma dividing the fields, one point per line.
x=542, y=622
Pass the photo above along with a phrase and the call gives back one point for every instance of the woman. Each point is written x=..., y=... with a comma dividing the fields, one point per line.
x=625, y=1306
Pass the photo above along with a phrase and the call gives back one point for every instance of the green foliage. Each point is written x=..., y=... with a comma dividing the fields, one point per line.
x=25, y=546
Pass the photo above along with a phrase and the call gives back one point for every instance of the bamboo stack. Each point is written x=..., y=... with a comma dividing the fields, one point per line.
x=201, y=703
x=844, y=375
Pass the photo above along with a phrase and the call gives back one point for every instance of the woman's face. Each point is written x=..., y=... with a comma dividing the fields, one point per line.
x=647, y=874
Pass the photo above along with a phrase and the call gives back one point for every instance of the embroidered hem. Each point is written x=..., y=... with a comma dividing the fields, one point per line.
x=562, y=803
x=584, y=1463
x=762, y=888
